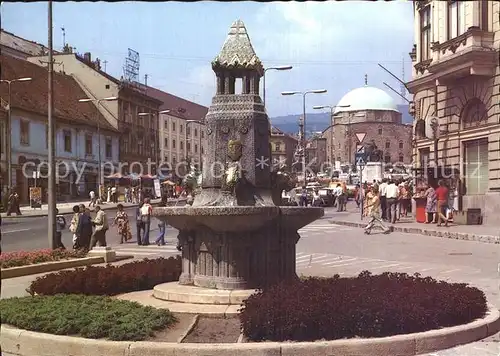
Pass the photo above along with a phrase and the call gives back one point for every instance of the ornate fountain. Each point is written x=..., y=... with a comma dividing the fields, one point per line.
x=235, y=236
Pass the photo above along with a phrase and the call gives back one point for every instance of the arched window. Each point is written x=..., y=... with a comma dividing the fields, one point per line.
x=474, y=114
x=387, y=144
x=401, y=158
x=380, y=130
x=401, y=145
x=387, y=158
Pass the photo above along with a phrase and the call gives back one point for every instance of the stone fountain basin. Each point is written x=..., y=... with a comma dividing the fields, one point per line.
x=236, y=218
x=218, y=218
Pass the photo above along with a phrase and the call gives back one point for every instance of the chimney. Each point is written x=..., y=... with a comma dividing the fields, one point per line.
x=87, y=57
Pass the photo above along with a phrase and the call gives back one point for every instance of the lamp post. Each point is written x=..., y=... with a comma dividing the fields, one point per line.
x=98, y=102
x=280, y=68
x=154, y=144
x=9, y=127
x=332, y=108
x=303, y=123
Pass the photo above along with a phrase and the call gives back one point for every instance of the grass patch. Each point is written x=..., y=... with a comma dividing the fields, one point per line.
x=92, y=317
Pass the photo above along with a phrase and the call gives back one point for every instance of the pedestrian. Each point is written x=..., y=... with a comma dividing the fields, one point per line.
x=101, y=226
x=139, y=224
x=146, y=211
x=74, y=224
x=442, y=195
x=160, y=240
x=60, y=226
x=404, y=194
x=383, y=198
x=392, y=193
x=373, y=211
x=92, y=198
x=303, y=197
x=123, y=223
x=114, y=194
x=431, y=205
x=13, y=204
x=84, y=228
x=339, y=192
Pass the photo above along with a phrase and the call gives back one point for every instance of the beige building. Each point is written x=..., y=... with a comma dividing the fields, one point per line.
x=456, y=87
x=283, y=147
x=316, y=154
x=139, y=141
x=181, y=129
x=371, y=112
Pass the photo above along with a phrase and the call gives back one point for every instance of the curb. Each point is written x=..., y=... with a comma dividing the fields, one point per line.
x=44, y=213
x=190, y=328
x=45, y=267
x=28, y=343
x=428, y=232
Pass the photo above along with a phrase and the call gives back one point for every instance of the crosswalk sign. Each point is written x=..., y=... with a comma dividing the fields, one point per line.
x=360, y=159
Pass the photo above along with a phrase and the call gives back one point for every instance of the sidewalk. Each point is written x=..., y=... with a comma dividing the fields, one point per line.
x=479, y=233
x=67, y=208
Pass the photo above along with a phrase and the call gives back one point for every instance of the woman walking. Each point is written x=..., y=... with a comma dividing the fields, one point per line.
x=431, y=206
x=146, y=211
x=373, y=208
x=442, y=195
x=123, y=223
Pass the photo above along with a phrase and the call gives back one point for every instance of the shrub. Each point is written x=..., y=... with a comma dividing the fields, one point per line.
x=109, y=280
x=365, y=306
x=92, y=317
x=23, y=258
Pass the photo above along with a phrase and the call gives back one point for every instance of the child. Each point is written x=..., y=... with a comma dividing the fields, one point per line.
x=60, y=225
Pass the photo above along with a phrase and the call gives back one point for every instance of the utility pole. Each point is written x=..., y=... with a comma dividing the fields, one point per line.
x=145, y=79
x=52, y=168
x=105, y=62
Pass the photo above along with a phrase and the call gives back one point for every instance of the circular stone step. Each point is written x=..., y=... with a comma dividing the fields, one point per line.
x=175, y=292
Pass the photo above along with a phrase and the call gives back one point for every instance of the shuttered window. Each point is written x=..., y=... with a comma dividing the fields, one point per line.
x=476, y=167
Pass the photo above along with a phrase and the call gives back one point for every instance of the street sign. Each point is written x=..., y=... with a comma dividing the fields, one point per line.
x=360, y=159
x=360, y=149
x=360, y=137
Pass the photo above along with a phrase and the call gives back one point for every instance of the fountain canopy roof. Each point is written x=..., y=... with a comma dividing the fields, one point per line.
x=237, y=51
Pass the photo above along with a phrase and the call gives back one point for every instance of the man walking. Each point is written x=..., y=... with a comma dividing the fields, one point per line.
x=146, y=211
x=60, y=226
x=392, y=193
x=383, y=198
x=92, y=198
x=101, y=226
x=373, y=211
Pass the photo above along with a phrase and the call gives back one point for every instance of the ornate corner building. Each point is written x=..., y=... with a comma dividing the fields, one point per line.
x=456, y=87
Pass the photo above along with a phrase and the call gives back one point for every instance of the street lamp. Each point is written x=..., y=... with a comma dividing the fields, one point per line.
x=332, y=108
x=9, y=127
x=302, y=126
x=264, y=79
x=98, y=102
x=153, y=144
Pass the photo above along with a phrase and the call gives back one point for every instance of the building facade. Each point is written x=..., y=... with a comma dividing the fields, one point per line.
x=134, y=113
x=371, y=112
x=80, y=132
x=18, y=47
x=456, y=87
x=182, y=133
x=283, y=148
x=316, y=154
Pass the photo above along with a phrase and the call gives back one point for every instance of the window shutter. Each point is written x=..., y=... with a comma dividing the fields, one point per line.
x=476, y=169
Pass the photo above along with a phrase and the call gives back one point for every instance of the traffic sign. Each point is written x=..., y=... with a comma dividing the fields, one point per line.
x=360, y=149
x=360, y=159
x=360, y=136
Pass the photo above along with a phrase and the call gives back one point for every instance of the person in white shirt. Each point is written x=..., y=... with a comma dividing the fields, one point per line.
x=114, y=195
x=391, y=193
x=339, y=193
x=92, y=198
x=383, y=198
x=101, y=226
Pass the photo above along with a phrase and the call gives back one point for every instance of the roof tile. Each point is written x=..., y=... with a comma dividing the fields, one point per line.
x=33, y=96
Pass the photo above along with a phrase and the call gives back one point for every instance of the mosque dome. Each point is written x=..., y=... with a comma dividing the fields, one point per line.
x=366, y=98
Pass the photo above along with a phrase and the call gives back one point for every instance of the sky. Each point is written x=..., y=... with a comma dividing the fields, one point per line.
x=331, y=45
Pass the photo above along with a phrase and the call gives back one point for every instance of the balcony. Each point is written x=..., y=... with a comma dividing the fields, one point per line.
x=471, y=53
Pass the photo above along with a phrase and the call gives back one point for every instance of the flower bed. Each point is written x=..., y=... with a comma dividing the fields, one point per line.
x=24, y=258
x=365, y=306
x=87, y=316
x=109, y=280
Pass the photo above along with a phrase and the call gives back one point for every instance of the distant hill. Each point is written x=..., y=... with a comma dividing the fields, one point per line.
x=319, y=121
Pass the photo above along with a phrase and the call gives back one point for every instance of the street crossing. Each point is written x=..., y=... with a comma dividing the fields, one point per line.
x=347, y=266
